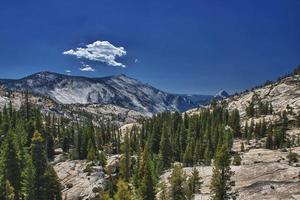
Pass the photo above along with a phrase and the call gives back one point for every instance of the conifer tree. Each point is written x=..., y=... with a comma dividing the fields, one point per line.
x=105, y=196
x=10, y=193
x=51, y=185
x=235, y=123
x=50, y=147
x=165, y=148
x=102, y=158
x=28, y=178
x=221, y=180
x=245, y=134
x=269, y=140
x=177, y=182
x=146, y=186
x=194, y=184
x=188, y=159
x=207, y=155
x=11, y=164
x=250, y=111
x=123, y=191
x=162, y=191
x=125, y=163
x=39, y=161
x=237, y=159
x=251, y=130
x=91, y=151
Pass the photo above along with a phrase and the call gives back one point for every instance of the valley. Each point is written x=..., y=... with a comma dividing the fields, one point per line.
x=98, y=142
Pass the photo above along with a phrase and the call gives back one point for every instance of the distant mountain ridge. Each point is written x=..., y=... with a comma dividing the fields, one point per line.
x=119, y=90
x=221, y=95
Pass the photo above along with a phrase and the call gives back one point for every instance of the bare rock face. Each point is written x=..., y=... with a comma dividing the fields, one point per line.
x=80, y=179
x=264, y=174
x=113, y=163
x=283, y=95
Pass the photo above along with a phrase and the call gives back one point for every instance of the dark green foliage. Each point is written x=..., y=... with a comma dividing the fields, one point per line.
x=24, y=168
x=177, y=183
x=102, y=158
x=125, y=164
x=221, y=183
x=145, y=177
x=165, y=150
x=250, y=111
x=292, y=157
x=258, y=108
x=39, y=161
x=159, y=142
x=123, y=191
x=163, y=193
x=91, y=151
x=51, y=185
x=237, y=160
x=234, y=123
x=194, y=183
x=242, y=147
x=11, y=164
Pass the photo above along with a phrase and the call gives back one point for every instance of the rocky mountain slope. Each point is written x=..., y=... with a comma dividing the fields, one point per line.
x=264, y=174
x=283, y=95
x=74, y=112
x=121, y=91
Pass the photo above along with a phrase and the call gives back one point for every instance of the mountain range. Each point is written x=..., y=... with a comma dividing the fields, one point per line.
x=119, y=90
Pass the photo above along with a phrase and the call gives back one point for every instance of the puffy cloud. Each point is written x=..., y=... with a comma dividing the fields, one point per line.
x=101, y=51
x=86, y=68
x=136, y=60
x=68, y=71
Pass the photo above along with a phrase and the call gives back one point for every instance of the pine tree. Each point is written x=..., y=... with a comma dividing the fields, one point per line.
x=263, y=128
x=250, y=111
x=269, y=141
x=102, y=158
x=245, y=135
x=251, y=130
x=235, y=123
x=105, y=196
x=51, y=185
x=11, y=164
x=91, y=151
x=188, y=159
x=146, y=187
x=194, y=184
x=221, y=180
x=10, y=193
x=125, y=163
x=28, y=177
x=39, y=161
x=123, y=191
x=207, y=155
x=177, y=181
x=165, y=148
x=162, y=191
x=50, y=147
x=242, y=147
x=237, y=159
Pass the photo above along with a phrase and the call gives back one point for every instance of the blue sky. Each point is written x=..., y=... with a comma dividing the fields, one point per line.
x=191, y=46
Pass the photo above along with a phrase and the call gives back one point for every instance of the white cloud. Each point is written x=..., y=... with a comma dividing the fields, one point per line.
x=68, y=71
x=86, y=68
x=136, y=60
x=101, y=51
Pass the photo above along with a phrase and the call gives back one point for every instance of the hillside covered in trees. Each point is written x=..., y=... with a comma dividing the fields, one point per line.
x=176, y=156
